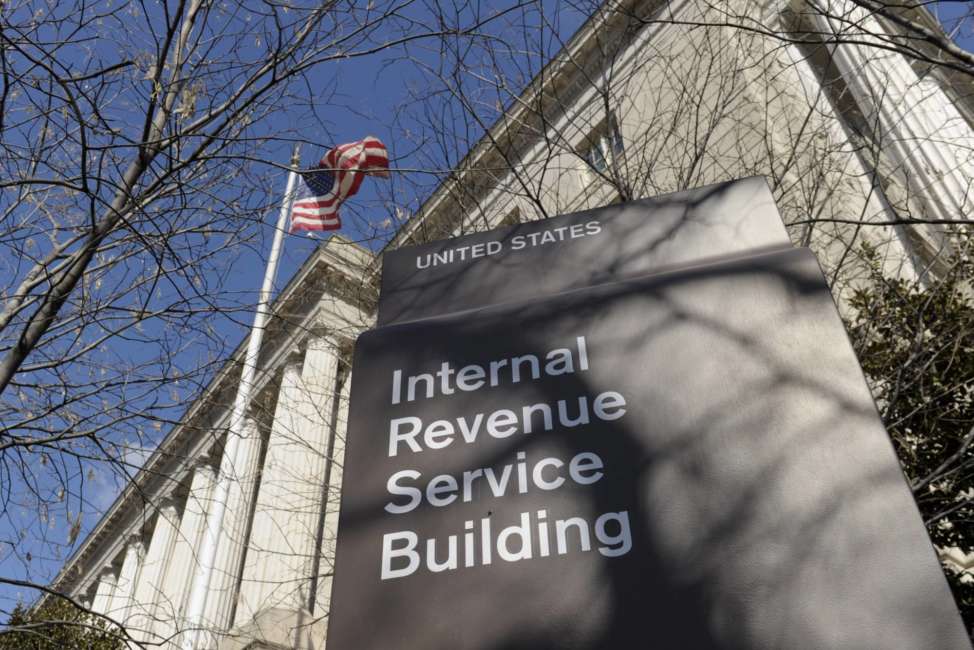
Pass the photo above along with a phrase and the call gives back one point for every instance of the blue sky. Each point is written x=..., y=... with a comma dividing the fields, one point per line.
x=358, y=97
x=342, y=102
x=951, y=14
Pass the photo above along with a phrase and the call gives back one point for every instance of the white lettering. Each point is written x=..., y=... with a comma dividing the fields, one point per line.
x=523, y=533
x=585, y=462
x=609, y=400
x=393, y=487
x=502, y=423
x=470, y=378
x=396, y=386
x=615, y=545
x=409, y=437
x=408, y=551
x=439, y=434
x=538, y=474
x=442, y=484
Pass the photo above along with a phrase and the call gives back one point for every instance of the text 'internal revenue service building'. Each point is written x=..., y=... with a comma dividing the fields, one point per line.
x=638, y=426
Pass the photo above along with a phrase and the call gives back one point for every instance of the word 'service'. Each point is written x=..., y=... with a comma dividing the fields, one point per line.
x=584, y=468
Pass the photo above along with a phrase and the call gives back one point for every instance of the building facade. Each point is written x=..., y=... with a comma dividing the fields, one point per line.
x=646, y=98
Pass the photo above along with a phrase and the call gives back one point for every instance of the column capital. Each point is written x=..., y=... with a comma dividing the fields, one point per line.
x=319, y=333
x=253, y=411
x=107, y=571
x=204, y=462
x=290, y=374
x=328, y=343
x=293, y=359
x=164, y=503
x=250, y=421
x=321, y=337
x=134, y=542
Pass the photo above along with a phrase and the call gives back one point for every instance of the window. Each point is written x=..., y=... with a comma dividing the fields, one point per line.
x=603, y=146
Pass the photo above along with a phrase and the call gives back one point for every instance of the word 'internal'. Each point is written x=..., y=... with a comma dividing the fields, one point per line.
x=448, y=379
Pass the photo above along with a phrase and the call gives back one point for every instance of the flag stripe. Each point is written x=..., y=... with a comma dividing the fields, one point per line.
x=338, y=176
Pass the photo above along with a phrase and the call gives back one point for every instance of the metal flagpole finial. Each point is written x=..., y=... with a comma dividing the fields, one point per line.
x=296, y=155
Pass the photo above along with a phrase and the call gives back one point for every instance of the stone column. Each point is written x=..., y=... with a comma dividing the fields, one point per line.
x=244, y=471
x=930, y=140
x=281, y=555
x=104, y=591
x=329, y=535
x=128, y=577
x=148, y=591
x=175, y=583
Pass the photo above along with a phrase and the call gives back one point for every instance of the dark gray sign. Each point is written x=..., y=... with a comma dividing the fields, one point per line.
x=579, y=250
x=689, y=459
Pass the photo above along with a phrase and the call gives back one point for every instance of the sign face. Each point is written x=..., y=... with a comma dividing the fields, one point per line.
x=686, y=459
x=579, y=250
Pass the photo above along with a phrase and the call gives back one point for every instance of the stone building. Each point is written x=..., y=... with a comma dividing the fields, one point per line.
x=643, y=100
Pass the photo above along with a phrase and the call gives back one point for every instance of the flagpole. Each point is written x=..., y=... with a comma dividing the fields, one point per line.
x=215, y=515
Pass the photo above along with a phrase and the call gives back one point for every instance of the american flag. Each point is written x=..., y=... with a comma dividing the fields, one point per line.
x=337, y=177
